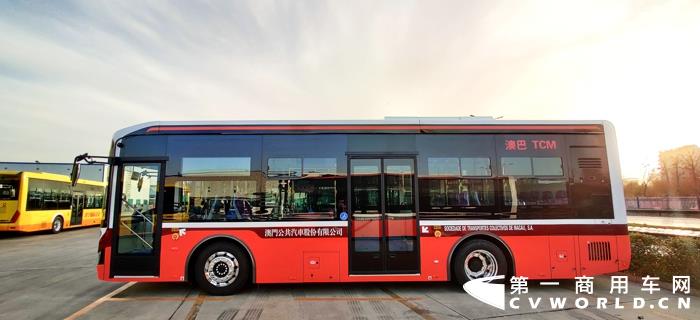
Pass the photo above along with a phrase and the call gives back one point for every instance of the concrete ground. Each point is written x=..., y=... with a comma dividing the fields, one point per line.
x=677, y=222
x=52, y=277
x=49, y=276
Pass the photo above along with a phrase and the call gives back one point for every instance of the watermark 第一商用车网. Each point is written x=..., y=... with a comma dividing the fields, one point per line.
x=494, y=294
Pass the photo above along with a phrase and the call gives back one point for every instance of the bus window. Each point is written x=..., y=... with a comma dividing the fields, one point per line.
x=536, y=197
x=303, y=188
x=459, y=187
x=212, y=189
x=9, y=186
x=304, y=176
x=48, y=195
x=535, y=187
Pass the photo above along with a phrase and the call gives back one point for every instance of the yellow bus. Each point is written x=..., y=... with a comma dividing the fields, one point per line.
x=35, y=201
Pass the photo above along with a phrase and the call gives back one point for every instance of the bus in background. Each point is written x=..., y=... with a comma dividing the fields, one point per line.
x=36, y=201
x=224, y=204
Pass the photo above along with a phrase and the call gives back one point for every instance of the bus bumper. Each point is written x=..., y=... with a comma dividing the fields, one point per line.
x=9, y=227
x=24, y=227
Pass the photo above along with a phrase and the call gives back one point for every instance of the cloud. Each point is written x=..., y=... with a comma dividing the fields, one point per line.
x=72, y=73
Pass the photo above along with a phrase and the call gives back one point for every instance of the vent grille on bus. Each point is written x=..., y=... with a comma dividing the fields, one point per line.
x=590, y=163
x=599, y=251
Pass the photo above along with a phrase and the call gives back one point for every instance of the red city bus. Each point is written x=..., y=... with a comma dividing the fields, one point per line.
x=224, y=204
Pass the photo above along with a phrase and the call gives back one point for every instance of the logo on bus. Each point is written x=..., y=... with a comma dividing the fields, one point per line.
x=524, y=145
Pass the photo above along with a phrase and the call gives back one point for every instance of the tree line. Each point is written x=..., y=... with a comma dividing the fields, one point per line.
x=677, y=175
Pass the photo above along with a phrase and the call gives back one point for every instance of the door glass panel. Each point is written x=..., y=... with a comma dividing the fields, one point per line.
x=400, y=210
x=399, y=186
x=138, y=208
x=367, y=245
x=402, y=244
x=366, y=202
x=365, y=186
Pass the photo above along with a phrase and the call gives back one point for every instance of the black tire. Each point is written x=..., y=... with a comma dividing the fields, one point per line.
x=57, y=224
x=222, y=258
x=482, y=251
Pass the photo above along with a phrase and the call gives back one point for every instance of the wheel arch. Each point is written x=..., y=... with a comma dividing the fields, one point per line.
x=481, y=236
x=58, y=215
x=191, y=257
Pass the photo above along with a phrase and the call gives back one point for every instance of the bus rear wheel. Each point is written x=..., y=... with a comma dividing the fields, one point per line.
x=222, y=269
x=478, y=259
x=57, y=225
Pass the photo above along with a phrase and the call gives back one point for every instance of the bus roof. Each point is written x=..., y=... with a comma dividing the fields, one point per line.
x=51, y=176
x=417, y=124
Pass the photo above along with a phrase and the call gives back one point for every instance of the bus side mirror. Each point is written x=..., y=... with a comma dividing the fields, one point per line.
x=75, y=174
x=138, y=177
x=139, y=184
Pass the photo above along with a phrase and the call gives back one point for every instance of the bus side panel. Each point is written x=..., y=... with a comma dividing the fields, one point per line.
x=91, y=217
x=597, y=254
x=30, y=221
x=279, y=260
x=624, y=252
x=8, y=208
x=435, y=256
x=282, y=260
x=103, y=269
x=531, y=255
x=563, y=257
x=295, y=260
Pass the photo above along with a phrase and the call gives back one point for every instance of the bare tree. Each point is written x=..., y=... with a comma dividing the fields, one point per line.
x=689, y=158
x=664, y=167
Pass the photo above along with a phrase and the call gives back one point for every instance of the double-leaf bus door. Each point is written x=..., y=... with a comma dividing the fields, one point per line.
x=383, y=236
x=77, y=206
x=137, y=223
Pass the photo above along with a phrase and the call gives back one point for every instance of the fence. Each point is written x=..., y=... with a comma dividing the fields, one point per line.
x=663, y=203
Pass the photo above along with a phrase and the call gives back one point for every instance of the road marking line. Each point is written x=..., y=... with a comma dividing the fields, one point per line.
x=425, y=314
x=195, y=306
x=208, y=299
x=99, y=301
x=353, y=299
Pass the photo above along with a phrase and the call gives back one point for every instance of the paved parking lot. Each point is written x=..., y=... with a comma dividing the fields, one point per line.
x=358, y=301
x=52, y=277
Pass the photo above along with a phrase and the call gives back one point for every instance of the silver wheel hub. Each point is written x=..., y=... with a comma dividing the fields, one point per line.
x=479, y=264
x=57, y=225
x=221, y=269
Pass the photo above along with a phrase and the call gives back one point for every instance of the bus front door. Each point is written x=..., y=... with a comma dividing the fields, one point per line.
x=77, y=206
x=137, y=222
x=383, y=235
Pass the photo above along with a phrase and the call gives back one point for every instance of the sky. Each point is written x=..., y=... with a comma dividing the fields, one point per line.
x=72, y=73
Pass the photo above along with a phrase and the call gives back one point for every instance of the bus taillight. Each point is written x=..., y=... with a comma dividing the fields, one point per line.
x=15, y=217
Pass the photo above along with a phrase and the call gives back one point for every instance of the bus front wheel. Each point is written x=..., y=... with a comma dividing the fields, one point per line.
x=222, y=269
x=478, y=259
x=57, y=225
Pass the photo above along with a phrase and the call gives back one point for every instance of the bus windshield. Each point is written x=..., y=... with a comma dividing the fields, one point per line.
x=9, y=186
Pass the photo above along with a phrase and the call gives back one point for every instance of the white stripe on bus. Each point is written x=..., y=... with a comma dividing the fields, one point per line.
x=262, y=224
x=517, y=222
